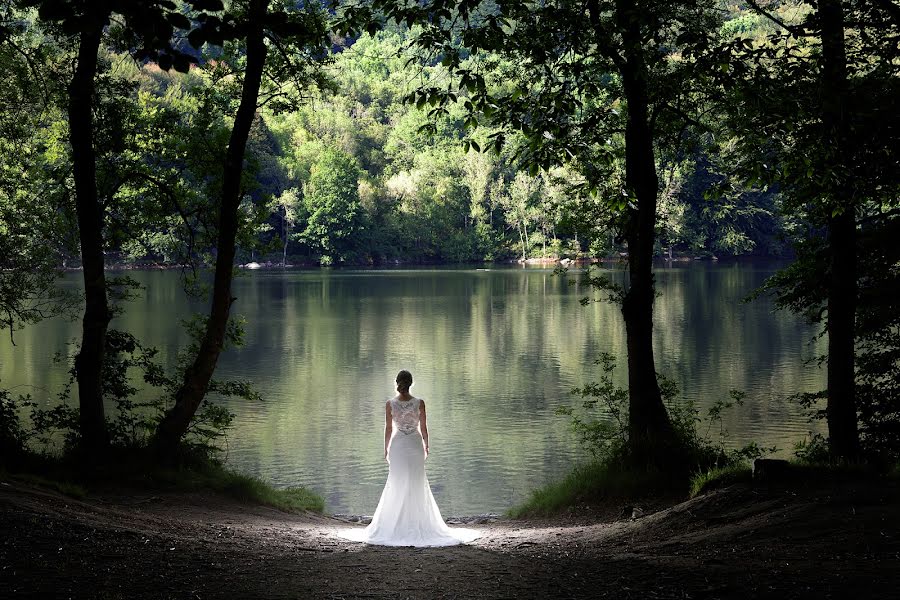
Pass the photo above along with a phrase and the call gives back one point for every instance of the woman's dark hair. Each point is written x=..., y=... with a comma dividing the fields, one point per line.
x=404, y=377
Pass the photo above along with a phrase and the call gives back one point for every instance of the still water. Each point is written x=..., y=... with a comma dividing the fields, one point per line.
x=493, y=352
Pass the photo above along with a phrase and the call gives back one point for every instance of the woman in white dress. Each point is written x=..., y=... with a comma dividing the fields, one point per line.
x=407, y=514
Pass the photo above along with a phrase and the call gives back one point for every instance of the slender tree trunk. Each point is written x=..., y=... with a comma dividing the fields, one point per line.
x=284, y=230
x=525, y=240
x=197, y=376
x=842, y=290
x=89, y=362
x=650, y=432
x=522, y=239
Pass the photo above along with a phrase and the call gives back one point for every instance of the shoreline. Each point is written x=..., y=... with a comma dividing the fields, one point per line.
x=477, y=265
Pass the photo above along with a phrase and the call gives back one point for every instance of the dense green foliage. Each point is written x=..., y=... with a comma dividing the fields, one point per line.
x=815, y=114
x=420, y=195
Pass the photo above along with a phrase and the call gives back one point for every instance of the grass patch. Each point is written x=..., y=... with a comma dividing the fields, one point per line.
x=591, y=483
x=134, y=468
x=67, y=488
x=795, y=472
x=244, y=488
x=719, y=477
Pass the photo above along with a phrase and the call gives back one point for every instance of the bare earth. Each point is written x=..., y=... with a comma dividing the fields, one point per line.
x=835, y=541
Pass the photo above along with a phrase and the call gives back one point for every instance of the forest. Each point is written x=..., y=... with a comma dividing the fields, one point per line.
x=348, y=172
x=204, y=136
x=211, y=136
x=385, y=133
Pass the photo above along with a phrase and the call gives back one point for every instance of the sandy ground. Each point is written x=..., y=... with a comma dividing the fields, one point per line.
x=834, y=541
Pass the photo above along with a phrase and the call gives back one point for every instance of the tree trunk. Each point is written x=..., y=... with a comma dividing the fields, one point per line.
x=197, y=376
x=843, y=430
x=650, y=433
x=89, y=362
x=284, y=229
x=842, y=290
x=525, y=240
x=522, y=239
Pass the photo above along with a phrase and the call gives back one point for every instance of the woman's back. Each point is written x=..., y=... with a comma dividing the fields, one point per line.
x=405, y=415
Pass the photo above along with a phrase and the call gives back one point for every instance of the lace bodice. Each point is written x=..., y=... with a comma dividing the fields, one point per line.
x=405, y=415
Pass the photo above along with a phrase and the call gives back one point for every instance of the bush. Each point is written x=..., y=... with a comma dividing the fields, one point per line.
x=813, y=450
x=601, y=424
x=13, y=436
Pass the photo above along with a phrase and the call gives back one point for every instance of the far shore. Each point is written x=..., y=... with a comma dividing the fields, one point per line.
x=620, y=259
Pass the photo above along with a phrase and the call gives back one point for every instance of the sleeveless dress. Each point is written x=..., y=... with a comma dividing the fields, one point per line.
x=407, y=514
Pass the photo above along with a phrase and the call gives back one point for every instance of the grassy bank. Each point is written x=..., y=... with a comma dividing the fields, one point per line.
x=720, y=477
x=245, y=488
x=596, y=483
x=134, y=470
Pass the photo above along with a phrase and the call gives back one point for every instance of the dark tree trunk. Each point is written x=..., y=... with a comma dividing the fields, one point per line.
x=197, y=376
x=649, y=430
x=843, y=431
x=842, y=290
x=89, y=362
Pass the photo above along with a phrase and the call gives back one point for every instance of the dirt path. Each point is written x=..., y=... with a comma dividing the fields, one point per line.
x=832, y=542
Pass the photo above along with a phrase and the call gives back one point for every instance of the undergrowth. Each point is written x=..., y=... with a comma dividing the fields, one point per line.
x=699, y=458
x=41, y=445
x=592, y=482
x=719, y=477
x=136, y=469
x=242, y=487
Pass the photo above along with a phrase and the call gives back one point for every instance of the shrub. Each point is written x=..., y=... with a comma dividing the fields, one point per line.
x=813, y=450
x=13, y=436
x=601, y=425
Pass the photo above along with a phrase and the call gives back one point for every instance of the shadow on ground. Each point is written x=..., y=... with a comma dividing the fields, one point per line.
x=832, y=541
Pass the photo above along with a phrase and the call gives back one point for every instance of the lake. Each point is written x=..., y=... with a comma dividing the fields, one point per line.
x=493, y=351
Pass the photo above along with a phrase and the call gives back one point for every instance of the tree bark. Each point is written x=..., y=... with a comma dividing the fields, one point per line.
x=842, y=290
x=525, y=240
x=284, y=230
x=198, y=375
x=89, y=361
x=650, y=434
x=522, y=239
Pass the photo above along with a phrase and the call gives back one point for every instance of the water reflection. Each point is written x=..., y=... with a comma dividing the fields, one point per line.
x=493, y=352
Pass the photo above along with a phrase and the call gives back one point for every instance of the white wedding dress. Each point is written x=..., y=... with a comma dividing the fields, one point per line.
x=407, y=514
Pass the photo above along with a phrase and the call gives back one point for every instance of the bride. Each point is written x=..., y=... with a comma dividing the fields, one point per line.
x=407, y=514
